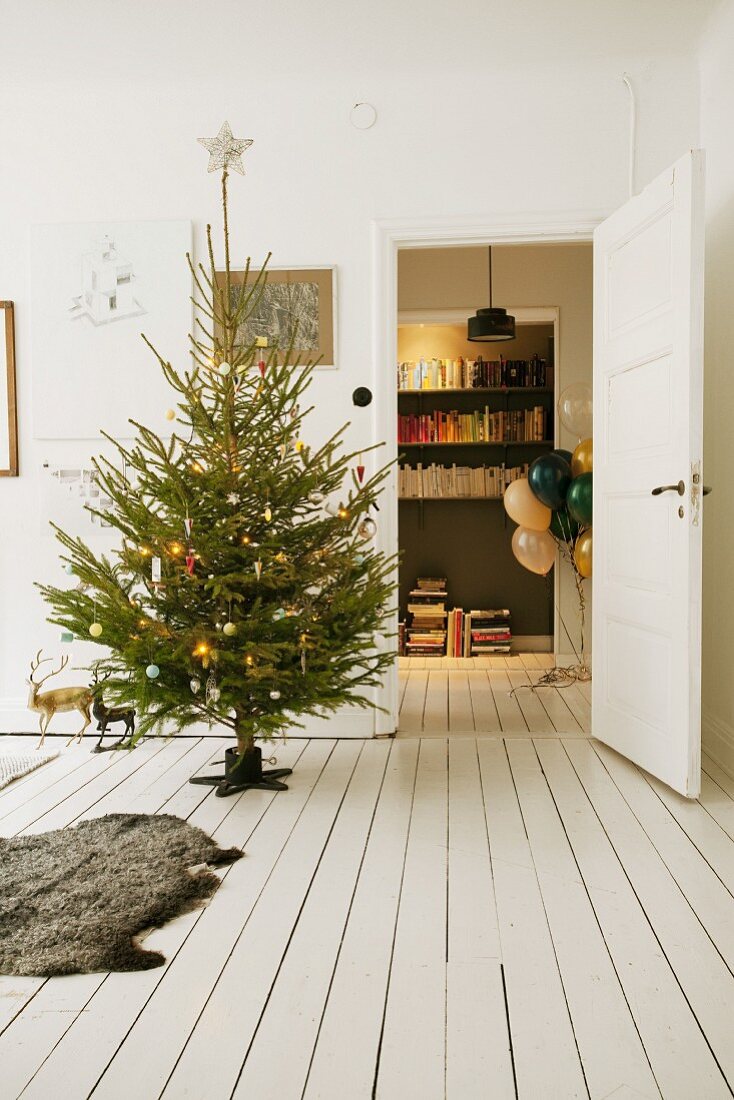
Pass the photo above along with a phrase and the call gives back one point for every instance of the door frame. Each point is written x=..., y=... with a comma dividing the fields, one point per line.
x=388, y=237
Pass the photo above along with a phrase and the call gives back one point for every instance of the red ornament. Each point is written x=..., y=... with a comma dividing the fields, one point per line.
x=261, y=365
x=190, y=562
x=360, y=474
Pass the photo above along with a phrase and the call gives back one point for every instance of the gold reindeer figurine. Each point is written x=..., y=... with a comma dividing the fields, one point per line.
x=64, y=699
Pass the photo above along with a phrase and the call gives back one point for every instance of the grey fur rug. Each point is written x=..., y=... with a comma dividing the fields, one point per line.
x=72, y=901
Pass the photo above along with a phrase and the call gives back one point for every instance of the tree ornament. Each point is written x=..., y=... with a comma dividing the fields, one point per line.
x=258, y=569
x=278, y=614
x=332, y=509
x=69, y=568
x=229, y=629
x=303, y=662
x=152, y=672
x=188, y=525
x=367, y=528
x=358, y=559
x=155, y=570
x=190, y=563
x=299, y=445
x=225, y=151
x=212, y=693
x=224, y=369
x=281, y=557
x=66, y=636
x=195, y=684
x=95, y=629
x=268, y=513
x=360, y=473
x=275, y=694
x=316, y=497
x=261, y=367
x=233, y=498
x=170, y=414
x=217, y=626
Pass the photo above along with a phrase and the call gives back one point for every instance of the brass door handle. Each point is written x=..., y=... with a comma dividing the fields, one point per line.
x=680, y=489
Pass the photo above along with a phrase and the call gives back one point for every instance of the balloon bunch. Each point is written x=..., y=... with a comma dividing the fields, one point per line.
x=553, y=508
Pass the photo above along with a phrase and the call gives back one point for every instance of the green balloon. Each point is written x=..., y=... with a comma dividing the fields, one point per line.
x=563, y=526
x=580, y=497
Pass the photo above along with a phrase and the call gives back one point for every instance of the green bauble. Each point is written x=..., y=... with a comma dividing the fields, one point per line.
x=563, y=526
x=580, y=497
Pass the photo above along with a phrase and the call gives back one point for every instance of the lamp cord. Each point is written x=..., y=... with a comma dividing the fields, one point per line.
x=490, y=275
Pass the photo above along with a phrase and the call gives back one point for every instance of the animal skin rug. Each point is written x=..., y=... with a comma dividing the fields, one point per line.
x=72, y=901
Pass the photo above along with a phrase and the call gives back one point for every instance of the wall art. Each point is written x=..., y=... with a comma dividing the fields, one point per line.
x=95, y=287
x=8, y=410
x=296, y=302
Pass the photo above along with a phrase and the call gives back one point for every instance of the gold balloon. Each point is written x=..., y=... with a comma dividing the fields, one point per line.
x=522, y=505
x=582, y=459
x=582, y=553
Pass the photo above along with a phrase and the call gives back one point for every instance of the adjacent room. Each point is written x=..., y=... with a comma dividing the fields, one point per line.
x=366, y=713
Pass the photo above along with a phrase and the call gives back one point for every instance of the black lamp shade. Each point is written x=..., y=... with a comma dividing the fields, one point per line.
x=490, y=325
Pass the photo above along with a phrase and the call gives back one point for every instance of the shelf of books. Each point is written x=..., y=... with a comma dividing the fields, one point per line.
x=475, y=374
x=456, y=482
x=479, y=426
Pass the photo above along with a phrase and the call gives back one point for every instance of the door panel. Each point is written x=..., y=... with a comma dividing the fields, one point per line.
x=648, y=395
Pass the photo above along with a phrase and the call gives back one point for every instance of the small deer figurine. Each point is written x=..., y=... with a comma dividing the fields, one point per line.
x=107, y=715
x=48, y=703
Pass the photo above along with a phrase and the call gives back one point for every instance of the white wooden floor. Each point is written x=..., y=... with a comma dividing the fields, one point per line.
x=485, y=696
x=414, y=919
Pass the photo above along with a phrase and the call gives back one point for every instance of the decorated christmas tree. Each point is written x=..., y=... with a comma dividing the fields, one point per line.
x=246, y=590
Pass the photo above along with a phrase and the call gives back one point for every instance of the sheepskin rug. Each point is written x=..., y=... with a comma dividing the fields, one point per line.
x=72, y=901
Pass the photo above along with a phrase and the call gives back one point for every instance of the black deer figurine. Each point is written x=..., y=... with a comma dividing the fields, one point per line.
x=106, y=716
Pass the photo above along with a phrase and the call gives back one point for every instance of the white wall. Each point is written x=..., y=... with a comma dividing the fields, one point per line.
x=484, y=107
x=717, y=96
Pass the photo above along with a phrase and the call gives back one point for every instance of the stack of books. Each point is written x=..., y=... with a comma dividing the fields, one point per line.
x=427, y=614
x=441, y=482
x=481, y=426
x=467, y=374
x=475, y=633
x=489, y=632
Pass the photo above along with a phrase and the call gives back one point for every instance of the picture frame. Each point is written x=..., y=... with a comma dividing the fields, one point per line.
x=304, y=295
x=8, y=398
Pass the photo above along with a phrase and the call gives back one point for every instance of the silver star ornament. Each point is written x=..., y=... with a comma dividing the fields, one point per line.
x=225, y=151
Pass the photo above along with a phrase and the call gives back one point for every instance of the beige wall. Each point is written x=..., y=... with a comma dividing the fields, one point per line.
x=450, y=342
x=523, y=275
x=717, y=92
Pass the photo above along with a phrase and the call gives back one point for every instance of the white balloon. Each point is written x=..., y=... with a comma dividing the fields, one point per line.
x=575, y=409
x=535, y=550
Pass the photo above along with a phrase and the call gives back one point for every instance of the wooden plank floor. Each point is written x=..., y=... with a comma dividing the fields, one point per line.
x=487, y=696
x=442, y=918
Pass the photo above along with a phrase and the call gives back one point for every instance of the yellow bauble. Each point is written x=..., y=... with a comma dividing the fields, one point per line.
x=229, y=629
x=582, y=459
x=582, y=553
x=170, y=414
x=95, y=629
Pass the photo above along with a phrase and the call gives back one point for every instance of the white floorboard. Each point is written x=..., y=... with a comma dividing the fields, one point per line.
x=460, y=916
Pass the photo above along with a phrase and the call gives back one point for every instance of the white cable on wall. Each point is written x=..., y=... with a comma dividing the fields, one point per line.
x=633, y=134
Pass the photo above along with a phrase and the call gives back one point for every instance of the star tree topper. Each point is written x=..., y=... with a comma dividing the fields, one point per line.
x=225, y=151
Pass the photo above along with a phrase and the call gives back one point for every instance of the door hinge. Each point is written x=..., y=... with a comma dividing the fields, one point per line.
x=695, y=493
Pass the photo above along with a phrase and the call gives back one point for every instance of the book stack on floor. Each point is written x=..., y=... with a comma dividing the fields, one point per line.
x=427, y=613
x=476, y=633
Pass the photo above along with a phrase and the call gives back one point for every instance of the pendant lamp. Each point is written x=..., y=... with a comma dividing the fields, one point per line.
x=492, y=324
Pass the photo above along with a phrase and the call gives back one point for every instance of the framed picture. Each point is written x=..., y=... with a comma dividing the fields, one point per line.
x=8, y=410
x=295, y=300
x=95, y=288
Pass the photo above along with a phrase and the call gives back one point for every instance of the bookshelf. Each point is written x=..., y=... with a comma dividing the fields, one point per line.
x=468, y=544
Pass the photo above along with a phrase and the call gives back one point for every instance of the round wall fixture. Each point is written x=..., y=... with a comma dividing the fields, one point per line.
x=362, y=396
x=363, y=116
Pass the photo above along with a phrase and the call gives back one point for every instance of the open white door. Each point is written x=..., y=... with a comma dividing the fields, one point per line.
x=648, y=404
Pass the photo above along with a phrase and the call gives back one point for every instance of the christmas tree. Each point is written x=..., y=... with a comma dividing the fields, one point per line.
x=246, y=591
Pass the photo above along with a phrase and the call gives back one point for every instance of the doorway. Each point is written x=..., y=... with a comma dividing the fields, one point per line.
x=498, y=402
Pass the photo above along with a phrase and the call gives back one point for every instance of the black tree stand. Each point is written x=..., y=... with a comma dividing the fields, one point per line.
x=243, y=773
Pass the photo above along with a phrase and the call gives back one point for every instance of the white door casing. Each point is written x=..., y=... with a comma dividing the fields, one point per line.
x=648, y=407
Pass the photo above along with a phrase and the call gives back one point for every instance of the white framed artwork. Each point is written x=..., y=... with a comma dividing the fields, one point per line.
x=8, y=411
x=95, y=288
